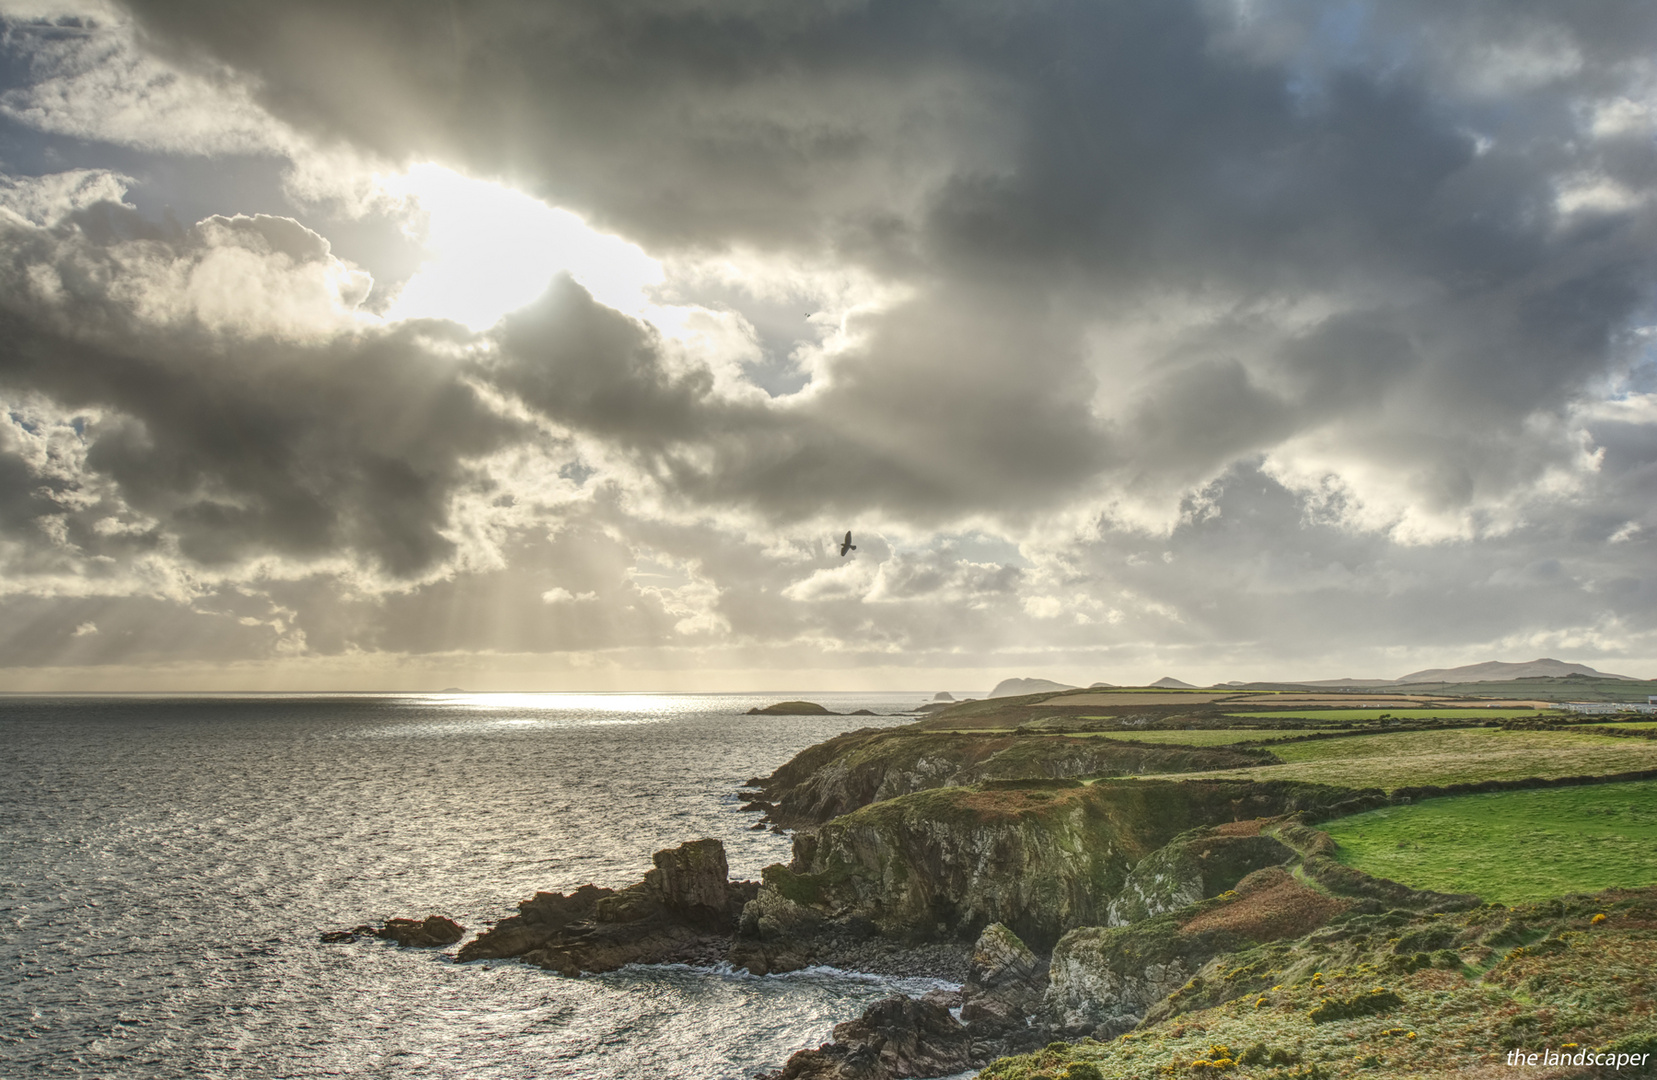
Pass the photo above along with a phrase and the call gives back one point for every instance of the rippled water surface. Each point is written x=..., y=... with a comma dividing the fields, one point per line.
x=167, y=864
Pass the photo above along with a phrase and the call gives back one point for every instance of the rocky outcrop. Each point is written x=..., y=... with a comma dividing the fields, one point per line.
x=844, y=773
x=853, y=770
x=895, y=1037
x=1189, y=868
x=1103, y=980
x=684, y=911
x=1039, y=858
x=432, y=932
x=1004, y=989
x=1005, y=978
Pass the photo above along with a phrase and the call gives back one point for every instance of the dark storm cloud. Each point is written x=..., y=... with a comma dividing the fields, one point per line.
x=948, y=429
x=1386, y=265
x=1030, y=172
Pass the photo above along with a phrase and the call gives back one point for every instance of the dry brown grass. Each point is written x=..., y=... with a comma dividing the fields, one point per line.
x=1270, y=905
x=1251, y=827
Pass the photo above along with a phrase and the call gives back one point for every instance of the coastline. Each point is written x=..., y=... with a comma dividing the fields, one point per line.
x=1072, y=910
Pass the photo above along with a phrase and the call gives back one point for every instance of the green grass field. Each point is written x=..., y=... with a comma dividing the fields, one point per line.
x=1216, y=737
x=1444, y=713
x=1453, y=756
x=1511, y=846
x=1636, y=725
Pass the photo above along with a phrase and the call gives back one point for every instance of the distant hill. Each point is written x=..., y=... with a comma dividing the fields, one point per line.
x=1496, y=671
x=1168, y=682
x=1014, y=687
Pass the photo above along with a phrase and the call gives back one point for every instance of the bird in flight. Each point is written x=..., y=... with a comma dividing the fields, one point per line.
x=846, y=544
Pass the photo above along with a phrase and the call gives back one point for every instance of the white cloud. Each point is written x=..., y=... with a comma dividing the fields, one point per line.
x=105, y=88
x=560, y=595
x=46, y=200
x=244, y=277
x=1044, y=607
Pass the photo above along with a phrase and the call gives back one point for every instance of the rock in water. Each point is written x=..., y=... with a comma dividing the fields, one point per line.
x=684, y=911
x=431, y=932
x=428, y=933
x=792, y=708
x=896, y=1037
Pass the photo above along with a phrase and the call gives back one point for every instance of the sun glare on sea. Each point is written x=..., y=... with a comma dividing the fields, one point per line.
x=491, y=250
x=617, y=703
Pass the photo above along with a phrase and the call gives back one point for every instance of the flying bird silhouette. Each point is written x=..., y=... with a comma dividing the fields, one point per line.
x=846, y=544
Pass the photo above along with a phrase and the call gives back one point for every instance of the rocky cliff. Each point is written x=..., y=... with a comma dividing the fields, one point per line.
x=1192, y=867
x=1039, y=857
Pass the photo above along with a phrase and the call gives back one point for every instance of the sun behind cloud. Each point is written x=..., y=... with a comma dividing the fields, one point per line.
x=492, y=250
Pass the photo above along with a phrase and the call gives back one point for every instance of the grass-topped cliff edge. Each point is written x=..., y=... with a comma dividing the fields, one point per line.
x=1080, y=829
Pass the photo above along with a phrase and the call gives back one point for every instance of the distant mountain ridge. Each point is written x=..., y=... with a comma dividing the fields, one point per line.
x=1015, y=687
x=1489, y=671
x=1497, y=671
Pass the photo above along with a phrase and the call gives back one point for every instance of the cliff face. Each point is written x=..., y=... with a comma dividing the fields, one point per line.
x=1039, y=858
x=1104, y=979
x=1191, y=868
x=854, y=770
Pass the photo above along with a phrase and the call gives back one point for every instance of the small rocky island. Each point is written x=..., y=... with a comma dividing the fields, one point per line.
x=791, y=708
x=1100, y=920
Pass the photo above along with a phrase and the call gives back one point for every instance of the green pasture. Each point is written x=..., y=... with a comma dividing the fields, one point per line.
x=1511, y=846
x=1448, y=756
x=1632, y=725
x=1213, y=737
x=1447, y=712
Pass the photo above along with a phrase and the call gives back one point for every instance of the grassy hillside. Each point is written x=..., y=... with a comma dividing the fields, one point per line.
x=1208, y=736
x=1399, y=997
x=1453, y=756
x=1511, y=846
x=1568, y=688
x=1447, y=712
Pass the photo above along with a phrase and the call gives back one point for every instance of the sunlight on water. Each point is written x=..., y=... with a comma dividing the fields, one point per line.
x=168, y=863
x=615, y=703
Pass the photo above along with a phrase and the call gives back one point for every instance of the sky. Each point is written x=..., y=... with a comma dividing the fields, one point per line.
x=552, y=344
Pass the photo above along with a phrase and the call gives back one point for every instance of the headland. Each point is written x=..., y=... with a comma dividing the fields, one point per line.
x=1133, y=882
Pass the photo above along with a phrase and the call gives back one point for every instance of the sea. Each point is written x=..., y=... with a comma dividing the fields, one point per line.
x=167, y=865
